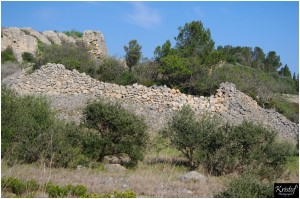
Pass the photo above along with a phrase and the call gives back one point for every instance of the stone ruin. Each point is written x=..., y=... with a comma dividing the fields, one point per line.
x=69, y=91
x=26, y=40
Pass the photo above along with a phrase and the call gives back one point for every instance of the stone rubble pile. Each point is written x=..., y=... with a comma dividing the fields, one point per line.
x=69, y=91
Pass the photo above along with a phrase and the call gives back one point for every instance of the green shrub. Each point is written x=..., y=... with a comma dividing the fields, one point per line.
x=55, y=191
x=7, y=55
x=74, y=33
x=116, y=132
x=66, y=146
x=72, y=56
x=247, y=186
x=223, y=149
x=24, y=119
x=17, y=186
x=32, y=185
x=186, y=134
x=289, y=109
x=146, y=73
x=113, y=70
x=79, y=191
x=21, y=187
x=30, y=133
x=28, y=57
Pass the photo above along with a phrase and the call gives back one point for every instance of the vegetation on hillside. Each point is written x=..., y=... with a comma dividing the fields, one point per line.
x=30, y=188
x=7, y=55
x=74, y=33
x=222, y=149
x=30, y=133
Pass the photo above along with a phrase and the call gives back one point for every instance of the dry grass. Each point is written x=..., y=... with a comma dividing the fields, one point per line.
x=155, y=180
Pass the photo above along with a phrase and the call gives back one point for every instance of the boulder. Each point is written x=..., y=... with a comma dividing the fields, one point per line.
x=66, y=38
x=52, y=36
x=37, y=35
x=193, y=176
x=114, y=168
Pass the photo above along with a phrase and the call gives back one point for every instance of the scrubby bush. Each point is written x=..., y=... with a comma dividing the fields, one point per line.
x=286, y=108
x=7, y=55
x=74, y=33
x=116, y=132
x=114, y=71
x=146, y=73
x=186, y=134
x=72, y=56
x=28, y=57
x=247, y=186
x=64, y=143
x=18, y=186
x=30, y=133
x=24, y=119
x=223, y=149
x=24, y=188
x=55, y=191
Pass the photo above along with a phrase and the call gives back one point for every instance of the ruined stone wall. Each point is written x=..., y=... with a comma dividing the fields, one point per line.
x=69, y=91
x=26, y=40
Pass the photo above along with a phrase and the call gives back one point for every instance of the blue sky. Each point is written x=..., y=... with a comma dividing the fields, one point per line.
x=269, y=25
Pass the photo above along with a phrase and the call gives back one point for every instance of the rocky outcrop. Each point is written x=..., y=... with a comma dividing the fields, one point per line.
x=70, y=90
x=36, y=34
x=52, y=36
x=18, y=41
x=26, y=39
x=96, y=41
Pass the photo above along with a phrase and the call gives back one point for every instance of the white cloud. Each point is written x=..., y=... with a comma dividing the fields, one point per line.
x=144, y=16
x=199, y=12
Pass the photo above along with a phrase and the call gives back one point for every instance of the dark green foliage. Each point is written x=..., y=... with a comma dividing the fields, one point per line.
x=55, y=191
x=223, y=149
x=186, y=134
x=174, y=70
x=64, y=146
x=28, y=57
x=146, y=73
x=194, y=40
x=258, y=57
x=17, y=186
x=118, y=132
x=24, y=119
x=29, y=133
x=272, y=62
x=7, y=55
x=247, y=186
x=133, y=53
x=285, y=71
x=79, y=191
x=163, y=51
x=74, y=33
x=113, y=70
